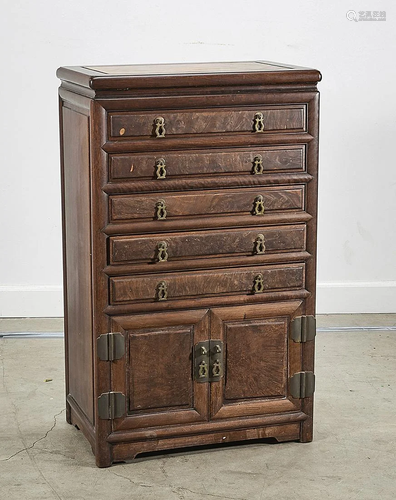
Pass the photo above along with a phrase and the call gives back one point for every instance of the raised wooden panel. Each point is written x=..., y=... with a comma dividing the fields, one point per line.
x=209, y=163
x=207, y=203
x=203, y=244
x=77, y=250
x=160, y=374
x=156, y=374
x=259, y=357
x=280, y=118
x=205, y=283
x=256, y=359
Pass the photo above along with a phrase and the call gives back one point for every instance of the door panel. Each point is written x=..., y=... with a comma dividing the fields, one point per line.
x=165, y=382
x=258, y=359
x=156, y=373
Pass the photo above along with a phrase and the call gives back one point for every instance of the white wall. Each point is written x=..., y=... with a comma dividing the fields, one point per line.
x=357, y=237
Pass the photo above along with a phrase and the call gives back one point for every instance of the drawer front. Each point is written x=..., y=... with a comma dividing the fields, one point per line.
x=165, y=165
x=170, y=206
x=159, y=124
x=176, y=286
x=171, y=247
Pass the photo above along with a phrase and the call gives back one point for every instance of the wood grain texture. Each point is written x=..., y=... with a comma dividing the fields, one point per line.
x=156, y=373
x=197, y=163
x=194, y=121
x=259, y=358
x=204, y=244
x=208, y=74
x=161, y=375
x=205, y=283
x=111, y=238
x=256, y=359
x=77, y=249
x=211, y=203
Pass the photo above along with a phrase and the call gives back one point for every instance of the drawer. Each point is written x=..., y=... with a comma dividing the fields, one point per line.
x=176, y=286
x=168, y=165
x=159, y=124
x=173, y=247
x=171, y=206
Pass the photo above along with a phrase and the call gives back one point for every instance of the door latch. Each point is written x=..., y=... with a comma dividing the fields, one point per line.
x=208, y=361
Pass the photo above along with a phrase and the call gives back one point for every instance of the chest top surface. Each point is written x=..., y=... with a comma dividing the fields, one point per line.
x=125, y=77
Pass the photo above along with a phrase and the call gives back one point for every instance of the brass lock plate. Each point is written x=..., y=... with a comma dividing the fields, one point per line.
x=201, y=361
x=208, y=361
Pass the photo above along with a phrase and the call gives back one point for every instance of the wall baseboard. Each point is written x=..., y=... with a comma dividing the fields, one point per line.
x=24, y=301
x=20, y=301
x=356, y=297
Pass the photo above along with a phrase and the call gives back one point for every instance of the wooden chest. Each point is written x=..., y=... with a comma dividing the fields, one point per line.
x=189, y=224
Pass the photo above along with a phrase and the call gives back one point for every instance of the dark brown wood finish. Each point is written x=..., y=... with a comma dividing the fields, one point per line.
x=192, y=121
x=205, y=244
x=206, y=283
x=224, y=202
x=112, y=238
x=197, y=163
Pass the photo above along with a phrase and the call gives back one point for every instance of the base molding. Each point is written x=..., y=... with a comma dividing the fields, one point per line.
x=282, y=433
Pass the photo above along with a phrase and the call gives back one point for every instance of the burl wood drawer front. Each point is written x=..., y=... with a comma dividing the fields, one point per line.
x=158, y=124
x=168, y=165
x=171, y=247
x=167, y=287
x=168, y=206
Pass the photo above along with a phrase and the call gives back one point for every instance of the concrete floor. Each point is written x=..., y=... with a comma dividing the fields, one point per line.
x=352, y=457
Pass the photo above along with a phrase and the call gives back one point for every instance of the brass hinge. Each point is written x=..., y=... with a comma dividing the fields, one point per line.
x=208, y=361
x=111, y=346
x=303, y=328
x=302, y=385
x=111, y=405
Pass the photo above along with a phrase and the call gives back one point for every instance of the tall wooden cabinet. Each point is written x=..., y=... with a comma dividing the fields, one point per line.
x=189, y=224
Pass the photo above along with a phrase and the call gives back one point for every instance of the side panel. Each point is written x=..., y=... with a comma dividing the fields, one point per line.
x=77, y=261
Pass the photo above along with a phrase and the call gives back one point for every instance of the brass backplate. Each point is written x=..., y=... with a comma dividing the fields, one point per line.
x=208, y=361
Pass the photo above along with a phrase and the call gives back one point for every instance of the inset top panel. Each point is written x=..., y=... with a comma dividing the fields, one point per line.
x=190, y=68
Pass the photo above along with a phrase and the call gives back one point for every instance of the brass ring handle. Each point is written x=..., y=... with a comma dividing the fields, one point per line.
x=258, y=284
x=259, y=245
x=258, y=167
x=258, y=205
x=160, y=170
x=162, y=251
x=258, y=122
x=160, y=210
x=162, y=291
x=159, y=123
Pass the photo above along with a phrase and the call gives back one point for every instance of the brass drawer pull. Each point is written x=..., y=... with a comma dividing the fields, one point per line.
x=159, y=123
x=259, y=245
x=258, y=284
x=258, y=205
x=258, y=122
x=160, y=170
x=258, y=167
x=160, y=210
x=162, y=251
x=162, y=291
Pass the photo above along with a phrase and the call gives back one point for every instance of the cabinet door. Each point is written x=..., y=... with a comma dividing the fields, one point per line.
x=259, y=358
x=156, y=372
